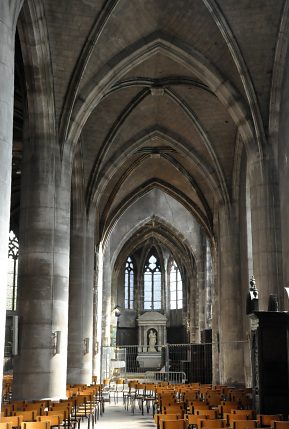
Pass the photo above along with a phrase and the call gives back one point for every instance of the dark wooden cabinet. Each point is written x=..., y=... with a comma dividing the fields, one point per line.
x=270, y=361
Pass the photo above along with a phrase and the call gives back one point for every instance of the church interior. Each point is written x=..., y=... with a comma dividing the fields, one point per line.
x=144, y=186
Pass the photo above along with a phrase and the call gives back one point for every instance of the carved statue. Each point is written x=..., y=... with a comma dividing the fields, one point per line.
x=152, y=341
x=252, y=298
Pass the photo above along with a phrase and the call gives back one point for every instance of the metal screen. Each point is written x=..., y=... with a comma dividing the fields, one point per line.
x=193, y=362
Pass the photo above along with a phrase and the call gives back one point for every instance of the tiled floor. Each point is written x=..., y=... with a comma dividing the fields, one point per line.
x=116, y=417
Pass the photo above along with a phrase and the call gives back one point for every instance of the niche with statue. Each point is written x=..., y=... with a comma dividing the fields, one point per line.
x=152, y=335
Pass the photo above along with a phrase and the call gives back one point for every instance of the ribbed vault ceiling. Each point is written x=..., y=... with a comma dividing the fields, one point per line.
x=156, y=93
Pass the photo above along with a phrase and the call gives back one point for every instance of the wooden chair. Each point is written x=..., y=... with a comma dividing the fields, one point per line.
x=38, y=408
x=5, y=425
x=64, y=417
x=211, y=423
x=161, y=417
x=241, y=397
x=35, y=425
x=85, y=408
x=226, y=408
x=267, y=419
x=18, y=405
x=213, y=398
x=173, y=424
x=174, y=409
x=200, y=405
x=28, y=416
x=14, y=420
x=207, y=414
x=191, y=420
x=191, y=395
x=7, y=409
x=66, y=408
x=129, y=394
x=54, y=421
x=149, y=395
x=250, y=414
x=230, y=417
x=117, y=389
x=244, y=424
x=138, y=398
x=278, y=424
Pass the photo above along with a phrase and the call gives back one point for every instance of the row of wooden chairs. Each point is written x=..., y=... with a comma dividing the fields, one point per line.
x=209, y=408
x=171, y=421
x=84, y=402
x=27, y=425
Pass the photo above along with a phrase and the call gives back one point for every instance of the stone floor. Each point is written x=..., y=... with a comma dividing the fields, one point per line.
x=116, y=417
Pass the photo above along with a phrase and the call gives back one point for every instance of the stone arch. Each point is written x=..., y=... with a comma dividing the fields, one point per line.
x=97, y=170
x=132, y=147
x=158, y=233
x=168, y=189
x=34, y=41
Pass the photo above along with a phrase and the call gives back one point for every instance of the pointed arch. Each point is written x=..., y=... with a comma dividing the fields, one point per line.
x=144, y=189
x=116, y=127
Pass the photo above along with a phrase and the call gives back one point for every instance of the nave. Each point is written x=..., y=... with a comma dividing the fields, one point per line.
x=115, y=416
x=144, y=175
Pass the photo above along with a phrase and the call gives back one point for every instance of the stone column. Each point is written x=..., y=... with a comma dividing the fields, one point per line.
x=265, y=230
x=230, y=317
x=80, y=316
x=201, y=285
x=95, y=360
x=98, y=360
x=9, y=11
x=106, y=298
x=215, y=322
x=40, y=368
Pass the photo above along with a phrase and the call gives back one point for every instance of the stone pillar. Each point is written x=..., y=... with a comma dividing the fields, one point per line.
x=40, y=368
x=230, y=317
x=216, y=379
x=80, y=316
x=201, y=285
x=106, y=298
x=265, y=230
x=9, y=11
x=95, y=360
x=98, y=362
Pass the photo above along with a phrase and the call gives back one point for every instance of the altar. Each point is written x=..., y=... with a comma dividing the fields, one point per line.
x=152, y=335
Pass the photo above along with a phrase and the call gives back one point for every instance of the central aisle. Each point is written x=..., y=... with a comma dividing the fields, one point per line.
x=116, y=417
